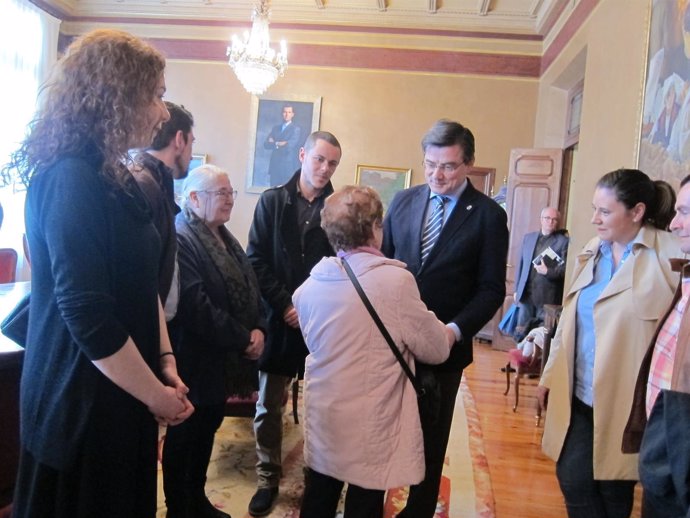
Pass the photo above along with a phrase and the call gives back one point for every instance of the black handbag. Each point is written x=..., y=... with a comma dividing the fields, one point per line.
x=16, y=324
x=426, y=385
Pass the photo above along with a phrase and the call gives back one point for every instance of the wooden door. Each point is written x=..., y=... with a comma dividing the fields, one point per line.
x=534, y=181
x=482, y=179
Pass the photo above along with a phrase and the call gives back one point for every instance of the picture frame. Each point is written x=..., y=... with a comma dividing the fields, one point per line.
x=387, y=181
x=196, y=161
x=274, y=149
x=663, y=146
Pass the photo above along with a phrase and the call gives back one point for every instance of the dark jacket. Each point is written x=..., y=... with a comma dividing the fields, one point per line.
x=463, y=278
x=155, y=179
x=551, y=284
x=281, y=265
x=94, y=268
x=204, y=330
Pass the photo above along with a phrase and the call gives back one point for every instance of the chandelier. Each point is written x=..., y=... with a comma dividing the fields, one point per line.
x=257, y=65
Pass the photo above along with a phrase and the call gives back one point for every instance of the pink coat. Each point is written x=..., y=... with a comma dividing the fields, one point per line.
x=361, y=418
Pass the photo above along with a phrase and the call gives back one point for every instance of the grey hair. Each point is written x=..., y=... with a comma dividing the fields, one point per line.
x=201, y=178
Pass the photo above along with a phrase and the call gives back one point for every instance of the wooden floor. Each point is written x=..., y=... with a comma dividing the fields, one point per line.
x=523, y=479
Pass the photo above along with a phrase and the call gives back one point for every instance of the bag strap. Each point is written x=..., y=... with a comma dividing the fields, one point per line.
x=418, y=389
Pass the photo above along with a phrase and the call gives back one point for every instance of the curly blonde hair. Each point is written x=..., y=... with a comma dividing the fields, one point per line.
x=349, y=215
x=95, y=101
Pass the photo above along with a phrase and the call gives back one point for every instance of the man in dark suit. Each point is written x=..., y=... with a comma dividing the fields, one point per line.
x=540, y=275
x=460, y=267
x=284, y=141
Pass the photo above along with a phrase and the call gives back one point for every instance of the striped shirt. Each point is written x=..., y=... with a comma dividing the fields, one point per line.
x=661, y=366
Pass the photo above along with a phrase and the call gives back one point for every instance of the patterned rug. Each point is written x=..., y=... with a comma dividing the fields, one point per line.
x=466, y=490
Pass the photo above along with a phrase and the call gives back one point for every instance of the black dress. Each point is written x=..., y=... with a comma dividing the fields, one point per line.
x=88, y=447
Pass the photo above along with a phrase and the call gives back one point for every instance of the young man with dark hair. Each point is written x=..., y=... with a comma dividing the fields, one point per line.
x=155, y=169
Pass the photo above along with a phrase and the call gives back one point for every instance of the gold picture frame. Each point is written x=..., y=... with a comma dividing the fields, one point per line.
x=265, y=117
x=196, y=161
x=387, y=181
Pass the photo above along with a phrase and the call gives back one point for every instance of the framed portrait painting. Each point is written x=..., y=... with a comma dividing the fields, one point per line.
x=278, y=129
x=664, y=145
x=385, y=180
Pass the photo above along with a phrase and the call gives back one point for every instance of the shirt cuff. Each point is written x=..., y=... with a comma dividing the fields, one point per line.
x=456, y=330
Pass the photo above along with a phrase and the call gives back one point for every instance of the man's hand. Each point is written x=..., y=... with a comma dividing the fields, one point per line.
x=290, y=317
x=541, y=268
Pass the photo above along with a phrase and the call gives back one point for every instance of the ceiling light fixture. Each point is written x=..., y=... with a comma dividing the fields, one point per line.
x=257, y=65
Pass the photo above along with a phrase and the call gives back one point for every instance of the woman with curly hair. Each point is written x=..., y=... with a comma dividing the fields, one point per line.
x=99, y=373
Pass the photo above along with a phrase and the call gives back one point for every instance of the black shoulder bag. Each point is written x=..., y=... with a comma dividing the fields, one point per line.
x=427, y=387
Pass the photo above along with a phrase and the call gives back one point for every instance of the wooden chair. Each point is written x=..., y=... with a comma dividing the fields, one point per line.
x=8, y=265
x=522, y=366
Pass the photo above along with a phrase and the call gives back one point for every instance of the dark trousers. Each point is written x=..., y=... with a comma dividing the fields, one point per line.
x=665, y=458
x=421, y=503
x=529, y=317
x=584, y=496
x=186, y=454
x=322, y=493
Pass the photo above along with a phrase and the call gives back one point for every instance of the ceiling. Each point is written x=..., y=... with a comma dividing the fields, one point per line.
x=494, y=18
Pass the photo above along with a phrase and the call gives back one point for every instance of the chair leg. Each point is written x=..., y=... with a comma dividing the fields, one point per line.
x=295, y=400
x=517, y=387
x=538, y=416
x=507, y=368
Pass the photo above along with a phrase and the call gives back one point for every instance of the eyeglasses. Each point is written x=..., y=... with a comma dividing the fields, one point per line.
x=446, y=168
x=546, y=218
x=224, y=193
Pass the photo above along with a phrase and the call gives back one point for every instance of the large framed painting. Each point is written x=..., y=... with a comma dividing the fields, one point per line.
x=279, y=127
x=664, y=150
x=385, y=180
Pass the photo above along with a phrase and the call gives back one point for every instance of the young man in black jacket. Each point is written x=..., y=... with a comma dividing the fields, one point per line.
x=285, y=241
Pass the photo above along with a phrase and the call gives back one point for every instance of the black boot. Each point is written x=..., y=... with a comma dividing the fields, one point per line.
x=263, y=500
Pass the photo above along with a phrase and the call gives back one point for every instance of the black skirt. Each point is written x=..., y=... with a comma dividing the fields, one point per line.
x=115, y=474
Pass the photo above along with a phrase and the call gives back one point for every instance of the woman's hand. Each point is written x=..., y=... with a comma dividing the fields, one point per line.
x=172, y=379
x=168, y=407
x=542, y=397
x=256, y=344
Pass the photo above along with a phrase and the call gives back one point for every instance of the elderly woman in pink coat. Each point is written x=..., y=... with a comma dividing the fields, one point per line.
x=361, y=417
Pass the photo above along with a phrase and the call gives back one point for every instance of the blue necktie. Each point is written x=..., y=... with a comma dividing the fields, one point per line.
x=433, y=227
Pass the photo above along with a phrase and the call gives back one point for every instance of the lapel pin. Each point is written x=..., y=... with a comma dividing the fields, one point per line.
x=469, y=207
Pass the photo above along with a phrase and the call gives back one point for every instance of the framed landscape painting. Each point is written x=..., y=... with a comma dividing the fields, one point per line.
x=385, y=180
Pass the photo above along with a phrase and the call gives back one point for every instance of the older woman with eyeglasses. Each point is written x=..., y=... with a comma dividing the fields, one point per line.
x=217, y=334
